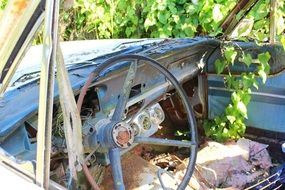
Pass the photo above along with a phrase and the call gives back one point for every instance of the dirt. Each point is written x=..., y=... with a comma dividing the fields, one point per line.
x=132, y=166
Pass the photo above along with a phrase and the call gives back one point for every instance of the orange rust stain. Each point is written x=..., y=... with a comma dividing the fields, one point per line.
x=19, y=6
x=133, y=166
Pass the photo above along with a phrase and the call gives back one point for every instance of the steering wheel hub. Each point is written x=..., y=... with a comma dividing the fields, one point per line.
x=123, y=134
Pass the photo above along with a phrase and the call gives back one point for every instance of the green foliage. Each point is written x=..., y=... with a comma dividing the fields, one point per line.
x=104, y=19
x=100, y=19
x=260, y=15
x=230, y=125
x=230, y=54
x=3, y=4
x=219, y=66
x=179, y=133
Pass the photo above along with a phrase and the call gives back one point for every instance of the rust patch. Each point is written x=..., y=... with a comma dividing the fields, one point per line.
x=19, y=6
x=14, y=13
x=123, y=137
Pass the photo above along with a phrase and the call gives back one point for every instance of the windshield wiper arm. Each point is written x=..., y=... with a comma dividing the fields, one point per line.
x=26, y=76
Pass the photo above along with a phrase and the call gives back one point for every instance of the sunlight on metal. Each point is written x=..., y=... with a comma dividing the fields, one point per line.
x=231, y=21
x=123, y=99
x=164, y=142
x=47, y=93
x=273, y=20
x=71, y=120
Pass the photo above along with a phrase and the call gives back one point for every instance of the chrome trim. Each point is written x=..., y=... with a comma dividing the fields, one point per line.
x=252, y=93
x=47, y=80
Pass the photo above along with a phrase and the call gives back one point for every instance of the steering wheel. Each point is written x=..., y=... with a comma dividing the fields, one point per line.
x=117, y=134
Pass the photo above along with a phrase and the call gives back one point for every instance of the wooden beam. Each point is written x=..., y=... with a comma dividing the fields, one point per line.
x=273, y=21
x=231, y=21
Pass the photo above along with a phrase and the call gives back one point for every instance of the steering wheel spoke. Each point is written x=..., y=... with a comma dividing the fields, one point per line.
x=115, y=161
x=124, y=96
x=164, y=142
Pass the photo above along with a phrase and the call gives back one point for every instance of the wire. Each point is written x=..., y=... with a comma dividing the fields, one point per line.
x=89, y=177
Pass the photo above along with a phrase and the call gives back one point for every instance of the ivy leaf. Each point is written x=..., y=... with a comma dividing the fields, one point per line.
x=231, y=118
x=231, y=82
x=189, y=32
x=190, y=9
x=229, y=110
x=225, y=131
x=217, y=14
x=172, y=9
x=230, y=54
x=162, y=5
x=263, y=75
x=150, y=21
x=163, y=17
x=245, y=97
x=176, y=18
x=247, y=59
x=241, y=129
x=264, y=58
x=255, y=85
x=208, y=126
x=235, y=98
x=264, y=68
x=260, y=36
x=248, y=80
x=128, y=31
x=181, y=133
x=282, y=40
x=242, y=109
x=219, y=66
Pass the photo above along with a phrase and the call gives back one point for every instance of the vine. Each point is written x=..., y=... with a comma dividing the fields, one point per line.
x=231, y=124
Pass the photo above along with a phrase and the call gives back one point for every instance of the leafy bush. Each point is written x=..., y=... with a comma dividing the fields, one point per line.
x=230, y=124
x=104, y=19
x=143, y=19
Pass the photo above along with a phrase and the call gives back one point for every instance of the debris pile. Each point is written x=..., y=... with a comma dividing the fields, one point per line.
x=232, y=165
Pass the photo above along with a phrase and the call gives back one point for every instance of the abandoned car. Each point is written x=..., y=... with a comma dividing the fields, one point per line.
x=128, y=93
